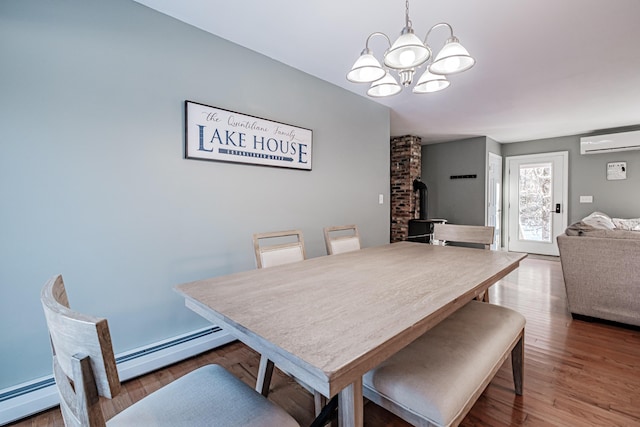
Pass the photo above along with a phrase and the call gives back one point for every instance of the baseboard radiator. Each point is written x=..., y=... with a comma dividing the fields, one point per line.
x=35, y=396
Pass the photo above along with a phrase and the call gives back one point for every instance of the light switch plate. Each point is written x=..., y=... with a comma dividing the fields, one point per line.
x=586, y=199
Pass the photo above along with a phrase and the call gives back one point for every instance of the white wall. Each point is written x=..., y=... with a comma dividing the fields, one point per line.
x=94, y=184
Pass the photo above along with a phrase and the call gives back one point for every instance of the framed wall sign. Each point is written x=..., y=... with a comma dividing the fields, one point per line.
x=215, y=134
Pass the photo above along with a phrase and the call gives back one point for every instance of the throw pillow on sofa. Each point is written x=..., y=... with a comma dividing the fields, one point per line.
x=627, y=224
x=599, y=220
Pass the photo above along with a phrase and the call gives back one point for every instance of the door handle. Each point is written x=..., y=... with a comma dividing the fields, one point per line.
x=557, y=207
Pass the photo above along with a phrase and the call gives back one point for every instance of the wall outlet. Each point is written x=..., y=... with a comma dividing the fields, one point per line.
x=380, y=199
x=586, y=199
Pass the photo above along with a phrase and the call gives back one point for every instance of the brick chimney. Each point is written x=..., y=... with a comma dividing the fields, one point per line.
x=406, y=165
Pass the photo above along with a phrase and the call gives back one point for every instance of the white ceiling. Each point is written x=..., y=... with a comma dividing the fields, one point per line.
x=544, y=68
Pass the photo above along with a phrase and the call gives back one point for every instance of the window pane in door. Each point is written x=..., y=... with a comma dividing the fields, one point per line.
x=535, y=199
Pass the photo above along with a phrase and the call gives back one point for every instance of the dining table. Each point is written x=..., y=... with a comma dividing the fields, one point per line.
x=328, y=320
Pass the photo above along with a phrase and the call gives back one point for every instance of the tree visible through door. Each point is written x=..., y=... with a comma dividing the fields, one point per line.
x=535, y=219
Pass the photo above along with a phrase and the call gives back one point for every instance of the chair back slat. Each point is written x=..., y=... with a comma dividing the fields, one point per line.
x=285, y=255
x=79, y=403
x=341, y=238
x=279, y=253
x=464, y=234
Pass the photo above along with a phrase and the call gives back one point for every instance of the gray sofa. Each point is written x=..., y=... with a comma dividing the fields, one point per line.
x=601, y=271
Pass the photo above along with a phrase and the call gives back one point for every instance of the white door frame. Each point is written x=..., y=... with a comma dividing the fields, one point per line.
x=497, y=244
x=565, y=192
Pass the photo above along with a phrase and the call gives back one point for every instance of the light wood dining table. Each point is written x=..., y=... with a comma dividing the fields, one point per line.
x=328, y=320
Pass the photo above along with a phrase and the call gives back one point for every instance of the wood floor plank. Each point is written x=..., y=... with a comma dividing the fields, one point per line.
x=577, y=373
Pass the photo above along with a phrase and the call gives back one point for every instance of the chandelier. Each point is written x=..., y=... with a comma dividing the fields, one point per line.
x=405, y=56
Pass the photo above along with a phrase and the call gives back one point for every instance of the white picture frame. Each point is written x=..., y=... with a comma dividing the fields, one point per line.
x=217, y=134
x=616, y=171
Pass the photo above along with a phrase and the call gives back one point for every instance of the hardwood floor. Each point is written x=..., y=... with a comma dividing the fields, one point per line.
x=576, y=373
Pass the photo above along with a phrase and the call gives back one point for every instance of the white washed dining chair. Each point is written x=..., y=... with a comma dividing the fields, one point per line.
x=341, y=238
x=278, y=247
x=84, y=369
x=476, y=234
x=273, y=249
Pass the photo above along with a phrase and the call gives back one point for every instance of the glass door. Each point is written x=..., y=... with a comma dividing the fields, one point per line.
x=537, y=202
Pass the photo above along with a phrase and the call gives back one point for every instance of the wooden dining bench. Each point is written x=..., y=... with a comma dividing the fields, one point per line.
x=436, y=380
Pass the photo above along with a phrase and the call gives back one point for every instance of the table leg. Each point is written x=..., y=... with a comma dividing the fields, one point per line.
x=319, y=401
x=350, y=405
x=265, y=370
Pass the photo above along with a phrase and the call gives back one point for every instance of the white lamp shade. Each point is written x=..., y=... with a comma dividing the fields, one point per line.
x=453, y=58
x=430, y=82
x=386, y=86
x=407, y=51
x=366, y=69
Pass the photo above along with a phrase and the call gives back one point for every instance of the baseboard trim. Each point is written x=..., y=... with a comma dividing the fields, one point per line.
x=26, y=399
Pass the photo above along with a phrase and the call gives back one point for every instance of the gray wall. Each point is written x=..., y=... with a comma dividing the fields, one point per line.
x=94, y=184
x=493, y=146
x=459, y=201
x=462, y=201
x=587, y=176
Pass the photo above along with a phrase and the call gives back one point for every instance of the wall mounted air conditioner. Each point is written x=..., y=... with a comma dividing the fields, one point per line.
x=623, y=141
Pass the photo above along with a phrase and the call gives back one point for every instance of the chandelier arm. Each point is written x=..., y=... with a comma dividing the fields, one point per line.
x=405, y=56
x=377, y=33
x=439, y=24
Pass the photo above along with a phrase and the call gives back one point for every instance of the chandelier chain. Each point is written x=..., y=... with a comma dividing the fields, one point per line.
x=407, y=20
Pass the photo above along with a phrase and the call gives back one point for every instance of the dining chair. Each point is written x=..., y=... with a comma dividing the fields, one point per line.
x=285, y=247
x=84, y=369
x=475, y=234
x=341, y=238
x=272, y=249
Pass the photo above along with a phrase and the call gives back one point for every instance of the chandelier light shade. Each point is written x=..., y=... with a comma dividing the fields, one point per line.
x=453, y=58
x=404, y=57
x=366, y=69
x=407, y=52
x=430, y=82
x=385, y=86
